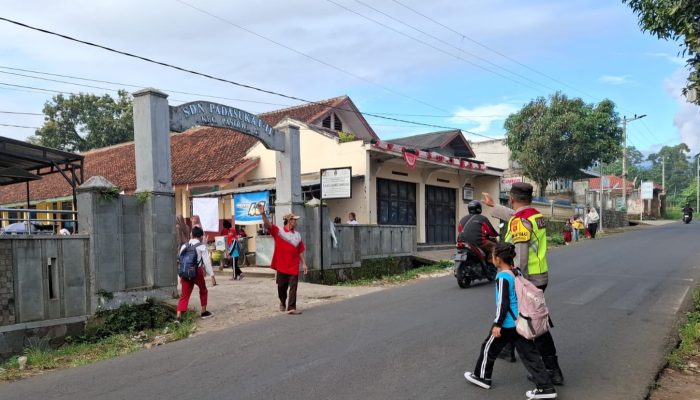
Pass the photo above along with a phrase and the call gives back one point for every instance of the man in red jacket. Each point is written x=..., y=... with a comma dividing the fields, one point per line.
x=288, y=254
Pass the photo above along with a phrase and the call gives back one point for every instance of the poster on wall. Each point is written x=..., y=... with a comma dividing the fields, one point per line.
x=208, y=210
x=647, y=190
x=245, y=207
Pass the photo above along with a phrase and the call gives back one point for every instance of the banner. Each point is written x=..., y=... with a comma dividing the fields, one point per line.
x=245, y=207
x=410, y=159
x=208, y=210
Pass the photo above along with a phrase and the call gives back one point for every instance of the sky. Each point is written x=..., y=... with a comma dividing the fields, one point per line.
x=452, y=64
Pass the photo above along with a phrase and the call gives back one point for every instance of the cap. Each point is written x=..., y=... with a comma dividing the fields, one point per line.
x=521, y=188
x=290, y=216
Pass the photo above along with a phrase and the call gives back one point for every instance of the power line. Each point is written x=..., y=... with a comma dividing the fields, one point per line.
x=193, y=72
x=454, y=47
x=20, y=126
x=431, y=46
x=309, y=56
x=35, y=88
x=463, y=36
x=214, y=97
x=19, y=113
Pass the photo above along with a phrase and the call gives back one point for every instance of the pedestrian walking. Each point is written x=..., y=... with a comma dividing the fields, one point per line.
x=286, y=258
x=183, y=230
x=204, y=264
x=503, y=332
x=233, y=249
x=567, y=233
x=527, y=230
x=592, y=219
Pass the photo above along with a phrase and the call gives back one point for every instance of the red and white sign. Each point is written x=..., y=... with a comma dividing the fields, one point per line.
x=410, y=158
x=507, y=183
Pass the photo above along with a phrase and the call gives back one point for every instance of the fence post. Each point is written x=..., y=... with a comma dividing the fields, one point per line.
x=551, y=209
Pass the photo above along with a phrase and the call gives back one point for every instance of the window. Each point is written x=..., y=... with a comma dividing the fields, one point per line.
x=337, y=123
x=326, y=122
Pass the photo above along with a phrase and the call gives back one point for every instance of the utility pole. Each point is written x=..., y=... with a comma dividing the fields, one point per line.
x=663, y=174
x=697, y=183
x=624, y=156
x=601, y=196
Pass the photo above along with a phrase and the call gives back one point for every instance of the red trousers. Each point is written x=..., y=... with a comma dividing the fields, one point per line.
x=188, y=286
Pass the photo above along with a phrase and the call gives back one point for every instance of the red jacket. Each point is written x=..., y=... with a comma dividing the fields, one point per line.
x=288, y=249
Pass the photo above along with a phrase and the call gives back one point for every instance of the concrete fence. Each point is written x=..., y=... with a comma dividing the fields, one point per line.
x=360, y=242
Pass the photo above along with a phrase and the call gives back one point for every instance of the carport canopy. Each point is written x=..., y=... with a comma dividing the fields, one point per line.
x=24, y=162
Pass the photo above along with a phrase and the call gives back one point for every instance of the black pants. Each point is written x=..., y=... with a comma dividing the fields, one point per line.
x=285, y=282
x=236, y=269
x=527, y=350
x=592, y=229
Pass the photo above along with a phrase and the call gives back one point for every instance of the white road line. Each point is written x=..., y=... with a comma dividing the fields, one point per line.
x=671, y=299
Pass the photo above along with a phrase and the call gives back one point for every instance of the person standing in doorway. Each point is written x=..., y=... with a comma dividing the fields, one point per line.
x=286, y=258
x=352, y=219
x=527, y=230
x=188, y=285
x=592, y=219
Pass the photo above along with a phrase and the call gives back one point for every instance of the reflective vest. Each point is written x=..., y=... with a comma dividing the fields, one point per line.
x=536, y=237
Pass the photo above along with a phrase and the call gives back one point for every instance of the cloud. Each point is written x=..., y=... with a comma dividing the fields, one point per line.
x=616, y=79
x=668, y=57
x=483, y=116
x=687, y=118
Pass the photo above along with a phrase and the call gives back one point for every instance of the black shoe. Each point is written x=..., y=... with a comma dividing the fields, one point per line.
x=508, y=357
x=548, y=393
x=484, y=383
x=206, y=314
x=551, y=363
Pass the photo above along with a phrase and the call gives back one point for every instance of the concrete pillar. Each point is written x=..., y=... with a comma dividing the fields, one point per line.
x=152, y=141
x=288, y=165
x=153, y=175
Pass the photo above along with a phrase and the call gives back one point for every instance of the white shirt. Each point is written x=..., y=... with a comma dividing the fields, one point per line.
x=202, y=254
x=353, y=222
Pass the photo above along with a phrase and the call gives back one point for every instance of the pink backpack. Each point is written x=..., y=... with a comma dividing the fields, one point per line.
x=533, y=315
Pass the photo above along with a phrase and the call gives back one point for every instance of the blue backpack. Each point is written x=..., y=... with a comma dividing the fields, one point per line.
x=189, y=262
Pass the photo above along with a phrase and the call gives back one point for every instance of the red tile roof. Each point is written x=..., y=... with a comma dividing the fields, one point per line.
x=199, y=155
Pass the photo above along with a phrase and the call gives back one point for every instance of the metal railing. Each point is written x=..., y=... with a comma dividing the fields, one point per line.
x=32, y=222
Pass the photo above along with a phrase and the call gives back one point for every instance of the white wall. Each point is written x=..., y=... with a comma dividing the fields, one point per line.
x=494, y=153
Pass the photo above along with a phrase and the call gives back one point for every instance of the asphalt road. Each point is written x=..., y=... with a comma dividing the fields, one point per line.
x=614, y=303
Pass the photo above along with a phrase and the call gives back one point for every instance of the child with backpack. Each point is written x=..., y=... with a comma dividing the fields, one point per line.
x=193, y=261
x=503, y=331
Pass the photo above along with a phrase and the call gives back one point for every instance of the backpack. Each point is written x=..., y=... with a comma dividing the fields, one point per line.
x=533, y=315
x=189, y=262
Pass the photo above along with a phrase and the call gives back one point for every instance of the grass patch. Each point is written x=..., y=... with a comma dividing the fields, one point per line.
x=673, y=213
x=556, y=239
x=689, y=336
x=109, y=334
x=400, y=277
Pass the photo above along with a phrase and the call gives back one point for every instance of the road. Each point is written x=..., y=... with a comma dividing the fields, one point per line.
x=613, y=301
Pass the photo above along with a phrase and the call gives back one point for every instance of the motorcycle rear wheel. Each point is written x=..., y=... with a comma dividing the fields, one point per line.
x=463, y=279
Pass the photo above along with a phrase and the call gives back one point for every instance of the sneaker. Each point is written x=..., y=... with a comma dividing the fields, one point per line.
x=548, y=393
x=283, y=308
x=177, y=321
x=294, y=312
x=206, y=314
x=484, y=383
x=508, y=357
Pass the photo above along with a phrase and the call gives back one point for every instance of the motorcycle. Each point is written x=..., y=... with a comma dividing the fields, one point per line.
x=687, y=218
x=471, y=264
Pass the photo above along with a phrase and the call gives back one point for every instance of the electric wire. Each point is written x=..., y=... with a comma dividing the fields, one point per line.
x=318, y=60
x=19, y=113
x=205, y=75
x=20, y=126
x=453, y=46
x=432, y=46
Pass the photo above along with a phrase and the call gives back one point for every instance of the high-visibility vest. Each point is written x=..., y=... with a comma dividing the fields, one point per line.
x=536, y=238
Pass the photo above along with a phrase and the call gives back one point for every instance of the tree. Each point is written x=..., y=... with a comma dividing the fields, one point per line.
x=679, y=170
x=635, y=161
x=674, y=20
x=85, y=121
x=556, y=139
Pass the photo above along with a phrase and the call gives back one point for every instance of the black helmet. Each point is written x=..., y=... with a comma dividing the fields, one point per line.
x=474, y=207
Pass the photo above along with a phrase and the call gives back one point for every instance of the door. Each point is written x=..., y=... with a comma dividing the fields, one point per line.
x=396, y=202
x=440, y=215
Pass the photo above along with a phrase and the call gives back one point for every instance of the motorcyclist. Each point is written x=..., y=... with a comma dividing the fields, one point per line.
x=688, y=210
x=477, y=229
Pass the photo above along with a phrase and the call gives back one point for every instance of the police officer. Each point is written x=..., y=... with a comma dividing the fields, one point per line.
x=527, y=230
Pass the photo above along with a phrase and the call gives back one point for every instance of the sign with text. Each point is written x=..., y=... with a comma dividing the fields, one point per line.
x=507, y=183
x=647, y=190
x=245, y=209
x=336, y=183
x=206, y=113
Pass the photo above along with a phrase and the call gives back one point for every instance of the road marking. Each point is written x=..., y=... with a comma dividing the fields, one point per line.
x=671, y=299
x=591, y=293
x=634, y=297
